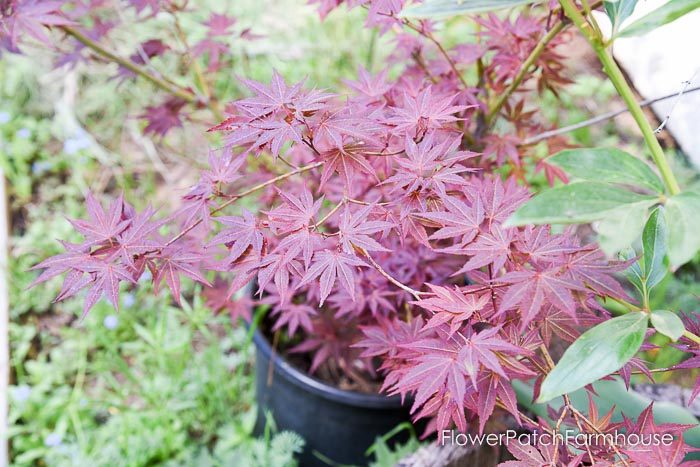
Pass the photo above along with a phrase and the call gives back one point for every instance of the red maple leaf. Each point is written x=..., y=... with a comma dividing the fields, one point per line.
x=480, y=349
x=240, y=234
x=295, y=213
x=102, y=226
x=31, y=17
x=355, y=230
x=451, y=305
x=330, y=266
x=532, y=289
x=174, y=262
x=164, y=117
x=460, y=221
x=105, y=277
x=424, y=112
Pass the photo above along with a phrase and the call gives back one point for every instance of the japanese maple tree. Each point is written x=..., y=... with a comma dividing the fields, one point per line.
x=392, y=239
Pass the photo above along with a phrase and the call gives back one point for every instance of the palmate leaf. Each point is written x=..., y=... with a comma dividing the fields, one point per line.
x=446, y=8
x=599, y=351
x=665, y=14
x=578, y=203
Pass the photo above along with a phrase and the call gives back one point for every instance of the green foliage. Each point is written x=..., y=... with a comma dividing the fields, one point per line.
x=387, y=456
x=665, y=14
x=577, y=203
x=447, y=8
x=668, y=324
x=654, y=244
x=609, y=165
x=151, y=384
x=601, y=350
x=651, y=268
x=618, y=11
x=684, y=224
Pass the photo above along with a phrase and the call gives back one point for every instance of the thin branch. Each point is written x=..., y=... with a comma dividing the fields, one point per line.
x=527, y=64
x=416, y=294
x=328, y=216
x=197, y=71
x=234, y=198
x=524, y=70
x=131, y=66
x=598, y=119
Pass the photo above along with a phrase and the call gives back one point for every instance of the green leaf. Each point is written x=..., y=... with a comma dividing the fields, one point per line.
x=683, y=219
x=634, y=272
x=618, y=232
x=668, y=324
x=607, y=165
x=618, y=11
x=598, y=352
x=654, y=243
x=578, y=203
x=665, y=14
x=447, y=8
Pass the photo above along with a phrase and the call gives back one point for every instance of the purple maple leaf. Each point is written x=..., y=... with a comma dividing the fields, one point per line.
x=331, y=266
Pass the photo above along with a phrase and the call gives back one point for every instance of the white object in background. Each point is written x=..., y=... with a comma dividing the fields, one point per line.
x=661, y=62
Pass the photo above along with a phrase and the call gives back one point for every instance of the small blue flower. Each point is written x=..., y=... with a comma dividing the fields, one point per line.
x=54, y=439
x=129, y=300
x=23, y=133
x=146, y=276
x=41, y=167
x=80, y=140
x=22, y=392
x=5, y=117
x=111, y=321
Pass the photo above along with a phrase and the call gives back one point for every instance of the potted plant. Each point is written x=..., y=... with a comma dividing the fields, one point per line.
x=397, y=249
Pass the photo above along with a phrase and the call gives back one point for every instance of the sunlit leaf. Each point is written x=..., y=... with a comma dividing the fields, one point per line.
x=599, y=351
x=607, y=165
x=668, y=13
x=683, y=220
x=667, y=323
x=618, y=11
x=578, y=203
x=654, y=243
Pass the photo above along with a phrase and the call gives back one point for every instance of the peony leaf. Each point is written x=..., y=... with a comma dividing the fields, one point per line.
x=665, y=14
x=683, y=225
x=599, y=351
x=607, y=165
x=578, y=203
x=668, y=324
x=654, y=244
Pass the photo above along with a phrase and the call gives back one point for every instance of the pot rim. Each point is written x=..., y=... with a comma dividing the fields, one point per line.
x=318, y=387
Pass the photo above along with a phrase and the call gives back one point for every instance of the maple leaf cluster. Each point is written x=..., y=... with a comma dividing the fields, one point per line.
x=380, y=241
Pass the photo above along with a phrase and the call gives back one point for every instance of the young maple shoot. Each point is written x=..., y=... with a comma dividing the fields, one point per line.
x=391, y=241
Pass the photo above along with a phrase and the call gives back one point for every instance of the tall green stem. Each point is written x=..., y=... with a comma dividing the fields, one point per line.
x=623, y=88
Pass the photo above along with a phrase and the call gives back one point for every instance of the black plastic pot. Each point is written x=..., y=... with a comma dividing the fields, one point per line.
x=340, y=425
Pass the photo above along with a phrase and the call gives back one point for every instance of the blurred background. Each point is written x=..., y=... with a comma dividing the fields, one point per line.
x=156, y=383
